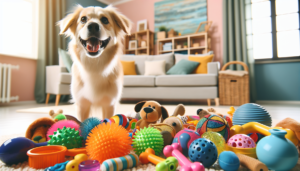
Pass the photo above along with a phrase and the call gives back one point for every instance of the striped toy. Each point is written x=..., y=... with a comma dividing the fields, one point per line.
x=120, y=163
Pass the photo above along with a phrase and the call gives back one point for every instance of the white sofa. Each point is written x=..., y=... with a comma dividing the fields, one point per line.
x=191, y=86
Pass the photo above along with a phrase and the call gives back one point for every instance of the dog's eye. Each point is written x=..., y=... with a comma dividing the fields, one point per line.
x=104, y=20
x=153, y=107
x=149, y=106
x=83, y=19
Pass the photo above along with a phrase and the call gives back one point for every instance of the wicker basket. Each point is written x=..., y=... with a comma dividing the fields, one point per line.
x=234, y=90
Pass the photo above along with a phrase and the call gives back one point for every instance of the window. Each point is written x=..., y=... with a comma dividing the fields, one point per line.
x=273, y=29
x=18, y=32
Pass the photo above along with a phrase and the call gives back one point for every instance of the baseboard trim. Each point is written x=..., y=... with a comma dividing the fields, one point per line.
x=18, y=103
x=277, y=102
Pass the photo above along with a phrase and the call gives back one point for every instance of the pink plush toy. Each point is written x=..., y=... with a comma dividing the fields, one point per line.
x=241, y=141
x=61, y=124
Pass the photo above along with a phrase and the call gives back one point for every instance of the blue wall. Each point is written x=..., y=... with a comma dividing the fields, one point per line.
x=278, y=81
x=85, y=3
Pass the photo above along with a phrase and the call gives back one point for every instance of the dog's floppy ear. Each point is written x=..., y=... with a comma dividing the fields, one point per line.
x=67, y=22
x=121, y=20
x=139, y=106
x=164, y=113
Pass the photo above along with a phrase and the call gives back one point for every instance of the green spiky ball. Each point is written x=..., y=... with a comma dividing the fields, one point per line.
x=67, y=137
x=148, y=138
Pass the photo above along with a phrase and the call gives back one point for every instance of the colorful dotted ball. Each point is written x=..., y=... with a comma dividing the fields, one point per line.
x=204, y=151
x=241, y=141
x=67, y=137
x=148, y=138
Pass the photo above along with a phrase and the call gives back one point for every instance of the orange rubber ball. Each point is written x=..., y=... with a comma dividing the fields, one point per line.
x=107, y=141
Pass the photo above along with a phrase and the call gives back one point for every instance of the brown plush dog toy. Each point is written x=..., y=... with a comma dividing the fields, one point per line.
x=150, y=112
x=37, y=130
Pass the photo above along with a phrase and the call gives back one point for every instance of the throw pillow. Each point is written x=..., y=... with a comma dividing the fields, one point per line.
x=66, y=58
x=155, y=67
x=183, y=67
x=202, y=68
x=128, y=67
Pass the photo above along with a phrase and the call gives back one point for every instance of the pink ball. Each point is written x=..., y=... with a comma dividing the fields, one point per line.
x=185, y=138
x=61, y=124
x=241, y=141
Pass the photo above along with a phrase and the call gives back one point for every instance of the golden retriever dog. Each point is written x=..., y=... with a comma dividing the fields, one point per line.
x=96, y=44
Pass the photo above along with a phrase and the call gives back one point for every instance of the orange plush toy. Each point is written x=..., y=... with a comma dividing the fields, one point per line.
x=37, y=130
x=292, y=125
x=150, y=112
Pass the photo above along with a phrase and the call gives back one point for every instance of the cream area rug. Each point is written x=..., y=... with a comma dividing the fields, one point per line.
x=127, y=109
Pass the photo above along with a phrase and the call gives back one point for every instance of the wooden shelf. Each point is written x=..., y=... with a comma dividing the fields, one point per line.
x=130, y=50
x=189, y=39
x=181, y=49
x=165, y=51
x=145, y=35
x=200, y=47
x=142, y=48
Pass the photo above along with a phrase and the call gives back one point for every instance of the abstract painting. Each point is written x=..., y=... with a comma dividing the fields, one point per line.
x=184, y=16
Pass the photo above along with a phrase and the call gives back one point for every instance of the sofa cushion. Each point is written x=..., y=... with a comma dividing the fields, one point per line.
x=183, y=67
x=155, y=67
x=128, y=67
x=203, y=60
x=139, y=81
x=186, y=80
x=65, y=78
x=178, y=57
x=140, y=61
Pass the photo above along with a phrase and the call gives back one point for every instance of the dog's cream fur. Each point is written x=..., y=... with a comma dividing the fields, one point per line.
x=96, y=80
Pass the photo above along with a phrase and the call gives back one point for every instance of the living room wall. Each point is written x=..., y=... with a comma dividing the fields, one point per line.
x=137, y=10
x=23, y=79
x=278, y=81
x=85, y=3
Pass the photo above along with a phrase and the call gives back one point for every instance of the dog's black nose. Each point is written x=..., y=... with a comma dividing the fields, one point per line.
x=93, y=27
x=148, y=109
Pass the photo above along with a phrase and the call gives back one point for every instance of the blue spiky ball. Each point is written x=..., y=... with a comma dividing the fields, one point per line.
x=87, y=125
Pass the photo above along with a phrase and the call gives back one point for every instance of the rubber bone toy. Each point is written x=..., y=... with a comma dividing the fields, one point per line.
x=186, y=165
x=169, y=164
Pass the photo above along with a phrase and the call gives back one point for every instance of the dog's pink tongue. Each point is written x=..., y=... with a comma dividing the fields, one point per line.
x=93, y=48
x=93, y=45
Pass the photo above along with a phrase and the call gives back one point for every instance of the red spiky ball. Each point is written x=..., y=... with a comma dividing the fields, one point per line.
x=107, y=141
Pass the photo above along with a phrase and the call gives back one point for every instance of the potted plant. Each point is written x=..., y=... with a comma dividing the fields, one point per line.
x=162, y=32
x=185, y=45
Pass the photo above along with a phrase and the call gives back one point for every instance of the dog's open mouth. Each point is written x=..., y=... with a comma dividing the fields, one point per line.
x=94, y=45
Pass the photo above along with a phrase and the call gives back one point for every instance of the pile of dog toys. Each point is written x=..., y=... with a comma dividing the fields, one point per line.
x=184, y=142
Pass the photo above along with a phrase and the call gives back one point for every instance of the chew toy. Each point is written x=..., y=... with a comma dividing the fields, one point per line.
x=262, y=129
x=87, y=125
x=58, y=167
x=148, y=138
x=251, y=163
x=67, y=137
x=61, y=124
x=229, y=161
x=175, y=150
x=73, y=165
x=46, y=156
x=14, y=150
x=108, y=141
x=89, y=165
x=161, y=164
x=121, y=119
x=120, y=163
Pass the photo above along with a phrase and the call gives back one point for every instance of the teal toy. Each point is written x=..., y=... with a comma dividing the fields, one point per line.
x=229, y=161
x=67, y=137
x=148, y=138
x=58, y=167
x=277, y=152
x=170, y=164
x=251, y=112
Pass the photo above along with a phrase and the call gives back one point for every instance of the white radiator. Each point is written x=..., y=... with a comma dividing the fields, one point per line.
x=5, y=82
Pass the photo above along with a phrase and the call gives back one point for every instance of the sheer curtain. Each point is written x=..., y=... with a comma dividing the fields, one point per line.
x=49, y=40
